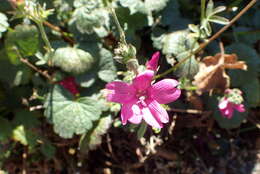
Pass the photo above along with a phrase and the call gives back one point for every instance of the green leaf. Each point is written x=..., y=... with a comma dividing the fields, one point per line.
x=107, y=71
x=256, y=19
x=218, y=10
x=133, y=5
x=219, y=20
x=73, y=60
x=26, y=118
x=232, y=123
x=179, y=45
x=24, y=136
x=249, y=55
x=89, y=17
x=24, y=39
x=48, y=150
x=87, y=79
x=189, y=68
x=252, y=92
x=5, y=129
x=141, y=130
x=131, y=23
x=246, y=35
x=3, y=23
x=171, y=13
x=93, y=138
x=157, y=5
x=14, y=75
x=210, y=8
x=68, y=115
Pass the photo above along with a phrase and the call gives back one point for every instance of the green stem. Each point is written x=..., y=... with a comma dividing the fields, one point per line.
x=120, y=30
x=203, y=45
x=44, y=37
x=202, y=8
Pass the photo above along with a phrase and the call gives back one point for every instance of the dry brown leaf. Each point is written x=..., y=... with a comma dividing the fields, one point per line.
x=212, y=71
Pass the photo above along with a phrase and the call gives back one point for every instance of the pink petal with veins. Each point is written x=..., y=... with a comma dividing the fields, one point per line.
x=165, y=91
x=158, y=111
x=119, y=92
x=143, y=80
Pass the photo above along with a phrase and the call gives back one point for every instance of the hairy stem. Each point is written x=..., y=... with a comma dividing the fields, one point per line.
x=216, y=35
x=120, y=30
x=44, y=37
x=202, y=8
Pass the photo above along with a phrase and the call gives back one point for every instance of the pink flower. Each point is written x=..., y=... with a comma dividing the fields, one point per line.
x=153, y=63
x=141, y=100
x=227, y=108
x=70, y=84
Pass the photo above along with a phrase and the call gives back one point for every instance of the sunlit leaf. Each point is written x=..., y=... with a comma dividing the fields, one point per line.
x=3, y=23
x=24, y=40
x=92, y=139
x=73, y=60
x=68, y=115
x=219, y=20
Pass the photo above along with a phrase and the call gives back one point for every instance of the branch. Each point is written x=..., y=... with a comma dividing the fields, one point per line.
x=58, y=29
x=43, y=73
x=203, y=45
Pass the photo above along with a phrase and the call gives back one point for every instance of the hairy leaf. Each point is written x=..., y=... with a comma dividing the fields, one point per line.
x=89, y=17
x=73, y=60
x=92, y=139
x=107, y=71
x=68, y=115
x=180, y=45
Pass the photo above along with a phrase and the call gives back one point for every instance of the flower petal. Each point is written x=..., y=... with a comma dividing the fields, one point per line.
x=240, y=107
x=164, y=91
x=158, y=111
x=131, y=111
x=229, y=112
x=150, y=119
x=143, y=80
x=223, y=104
x=119, y=92
x=152, y=64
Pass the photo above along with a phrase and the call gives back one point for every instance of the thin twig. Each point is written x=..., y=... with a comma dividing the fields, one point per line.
x=203, y=45
x=120, y=30
x=216, y=35
x=189, y=111
x=58, y=29
x=43, y=73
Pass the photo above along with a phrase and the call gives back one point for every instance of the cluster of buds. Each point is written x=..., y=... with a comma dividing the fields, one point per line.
x=31, y=10
x=232, y=100
x=126, y=54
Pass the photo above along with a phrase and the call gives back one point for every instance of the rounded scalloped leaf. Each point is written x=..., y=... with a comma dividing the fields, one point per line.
x=252, y=59
x=68, y=115
x=107, y=71
x=25, y=39
x=180, y=44
x=176, y=43
x=73, y=60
